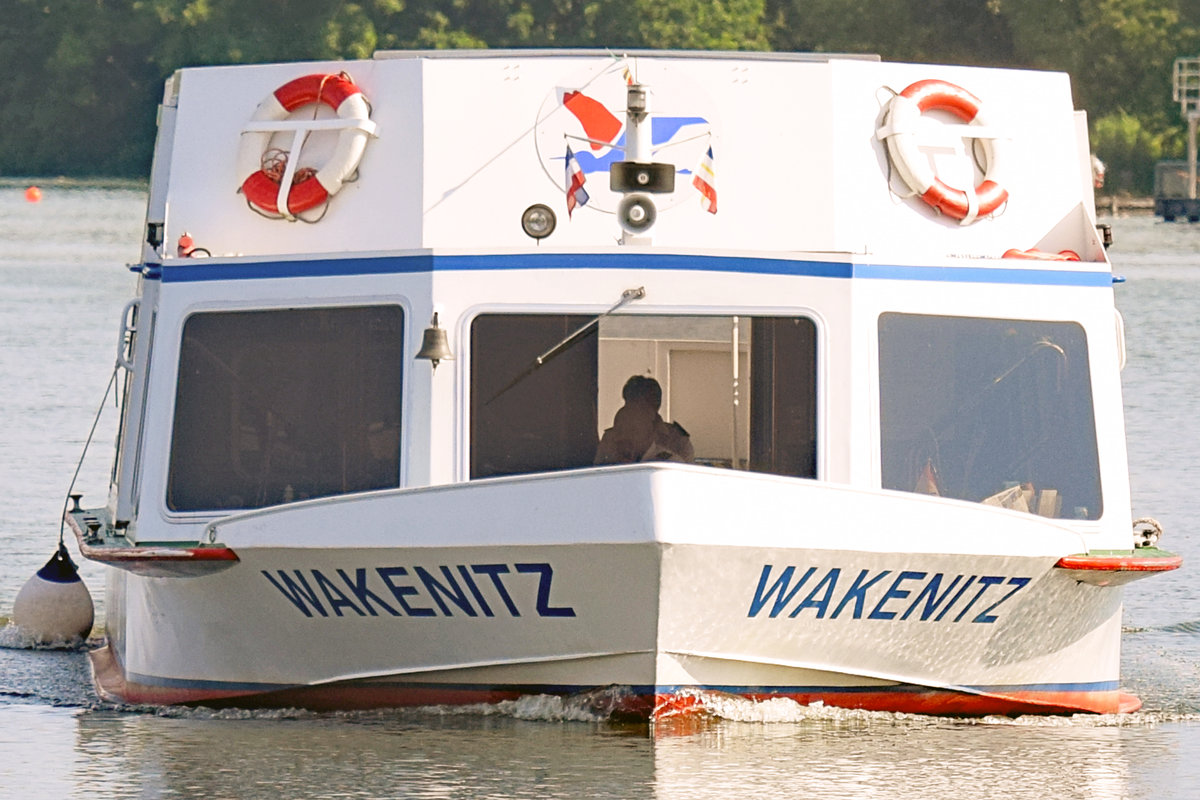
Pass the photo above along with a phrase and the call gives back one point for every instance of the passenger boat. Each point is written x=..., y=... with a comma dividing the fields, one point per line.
x=640, y=378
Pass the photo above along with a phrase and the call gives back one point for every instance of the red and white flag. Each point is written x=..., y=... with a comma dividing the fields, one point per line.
x=576, y=194
x=705, y=180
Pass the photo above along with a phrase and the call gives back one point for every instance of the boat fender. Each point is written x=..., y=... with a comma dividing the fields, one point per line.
x=266, y=169
x=1042, y=255
x=1146, y=532
x=54, y=606
x=899, y=132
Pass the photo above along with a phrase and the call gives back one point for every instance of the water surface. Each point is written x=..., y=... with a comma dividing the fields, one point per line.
x=62, y=286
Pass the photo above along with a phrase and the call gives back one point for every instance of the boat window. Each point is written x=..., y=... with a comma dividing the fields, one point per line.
x=989, y=410
x=280, y=405
x=736, y=392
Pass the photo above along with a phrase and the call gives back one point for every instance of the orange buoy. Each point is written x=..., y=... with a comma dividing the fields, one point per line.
x=33, y=194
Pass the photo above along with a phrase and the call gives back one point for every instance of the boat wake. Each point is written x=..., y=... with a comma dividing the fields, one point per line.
x=722, y=707
x=712, y=709
x=11, y=638
x=535, y=708
x=1190, y=626
x=64, y=682
x=38, y=674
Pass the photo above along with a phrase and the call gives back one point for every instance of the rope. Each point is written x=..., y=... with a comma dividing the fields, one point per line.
x=274, y=162
x=265, y=215
x=96, y=421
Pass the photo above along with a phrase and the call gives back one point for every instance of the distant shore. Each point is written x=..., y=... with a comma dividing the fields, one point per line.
x=1117, y=205
x=61, y=181
x=1111, y=204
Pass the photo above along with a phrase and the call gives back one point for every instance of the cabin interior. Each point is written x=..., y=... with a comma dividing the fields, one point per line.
x=277, y=405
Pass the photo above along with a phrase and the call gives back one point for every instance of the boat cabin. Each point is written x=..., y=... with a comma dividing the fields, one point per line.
x=453, y=310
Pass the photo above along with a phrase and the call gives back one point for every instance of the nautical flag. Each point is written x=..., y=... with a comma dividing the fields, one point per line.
x=576, y=194
x=705, y=180
x=600, y=125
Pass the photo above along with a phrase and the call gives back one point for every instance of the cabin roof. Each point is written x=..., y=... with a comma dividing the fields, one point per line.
x=461, y=144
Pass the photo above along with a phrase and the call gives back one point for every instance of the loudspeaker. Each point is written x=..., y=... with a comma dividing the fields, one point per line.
x=636, y=213
x=635, y=176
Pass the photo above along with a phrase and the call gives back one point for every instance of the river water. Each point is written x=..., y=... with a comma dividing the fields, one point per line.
x=62, y=286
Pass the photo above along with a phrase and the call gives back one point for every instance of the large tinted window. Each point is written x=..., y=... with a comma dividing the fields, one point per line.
x=282, y=405
x=527, y=417
x=547, y=392
x=990, y=410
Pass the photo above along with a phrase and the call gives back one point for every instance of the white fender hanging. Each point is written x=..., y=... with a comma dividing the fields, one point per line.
x=54, y=606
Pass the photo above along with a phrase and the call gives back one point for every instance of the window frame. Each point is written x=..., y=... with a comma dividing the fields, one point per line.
x=167, y=383
x=1086, y=381
x=820, y=367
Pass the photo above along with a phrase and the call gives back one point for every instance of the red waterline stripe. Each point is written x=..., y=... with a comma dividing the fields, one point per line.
x=113, y=685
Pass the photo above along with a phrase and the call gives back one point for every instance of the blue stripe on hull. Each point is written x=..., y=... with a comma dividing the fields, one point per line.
x=561, y=689
x=205, y=270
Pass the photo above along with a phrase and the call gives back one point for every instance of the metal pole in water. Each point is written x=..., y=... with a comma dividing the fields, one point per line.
x=1192, y=118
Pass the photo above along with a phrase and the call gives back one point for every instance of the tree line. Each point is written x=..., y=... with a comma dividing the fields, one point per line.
x=83, y=77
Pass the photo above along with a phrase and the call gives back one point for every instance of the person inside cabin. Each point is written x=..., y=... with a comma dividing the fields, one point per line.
x=639, y=433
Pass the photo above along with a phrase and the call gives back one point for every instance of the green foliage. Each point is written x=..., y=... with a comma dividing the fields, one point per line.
x=79, y=95
x=940, y=31
x=84, y=76
x=702, y=24
x=1129, y=149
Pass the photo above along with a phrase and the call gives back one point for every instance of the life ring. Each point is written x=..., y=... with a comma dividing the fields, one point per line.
x=900, y=135
x=262, y=185
x=1033, y=254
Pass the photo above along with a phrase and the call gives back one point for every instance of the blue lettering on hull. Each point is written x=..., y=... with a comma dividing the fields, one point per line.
x=870, y=595
x=466, y=590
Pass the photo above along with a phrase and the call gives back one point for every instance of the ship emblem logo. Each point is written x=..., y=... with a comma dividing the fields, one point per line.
x=587, y=113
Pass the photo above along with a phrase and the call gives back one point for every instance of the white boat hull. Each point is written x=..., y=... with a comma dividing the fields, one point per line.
x=644, y=578
x=886, y=319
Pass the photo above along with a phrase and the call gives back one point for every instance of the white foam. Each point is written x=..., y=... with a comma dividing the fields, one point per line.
x=590, y=707
x=12, y=638
x=780, y=710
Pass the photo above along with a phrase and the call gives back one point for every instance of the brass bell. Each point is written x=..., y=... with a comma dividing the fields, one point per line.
x=434, y=345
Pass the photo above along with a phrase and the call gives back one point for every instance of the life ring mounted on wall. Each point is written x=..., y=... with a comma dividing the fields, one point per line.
x=899, y=133
x=272, y=182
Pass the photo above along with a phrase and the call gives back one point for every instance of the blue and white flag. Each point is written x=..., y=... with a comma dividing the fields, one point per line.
x=576, y=194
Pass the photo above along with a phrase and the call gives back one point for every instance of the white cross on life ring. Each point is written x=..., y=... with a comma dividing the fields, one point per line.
x=274, y=193
x=900, y=135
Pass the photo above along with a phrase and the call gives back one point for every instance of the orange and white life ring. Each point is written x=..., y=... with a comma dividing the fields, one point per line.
x=1033, y=254
x=916, y=170
x=264, y=186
